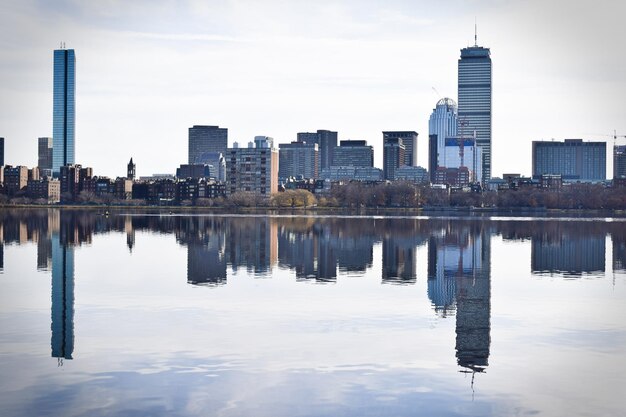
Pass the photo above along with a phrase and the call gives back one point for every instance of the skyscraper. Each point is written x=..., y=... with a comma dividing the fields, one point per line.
x=204, y=139
x=326, y=142
x=475, y=100
x=443, y=123
x=393, y=157
x=409, y=140
x=44, y=154
x=298, y=158
x=619, y=161
x=1, y=152
x=64, y=112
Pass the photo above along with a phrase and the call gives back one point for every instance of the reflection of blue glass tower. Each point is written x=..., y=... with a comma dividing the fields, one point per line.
x=63, y=116
x=62, y=300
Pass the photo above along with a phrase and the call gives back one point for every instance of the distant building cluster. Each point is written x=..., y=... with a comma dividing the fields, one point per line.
x=459, y=154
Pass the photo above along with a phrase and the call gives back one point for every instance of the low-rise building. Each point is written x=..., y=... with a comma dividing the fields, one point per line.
x=417, y=175
x=15, y=179
x=338, y=173
x=46, y=189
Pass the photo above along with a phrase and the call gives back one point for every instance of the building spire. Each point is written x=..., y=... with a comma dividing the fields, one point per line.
x=475, y=32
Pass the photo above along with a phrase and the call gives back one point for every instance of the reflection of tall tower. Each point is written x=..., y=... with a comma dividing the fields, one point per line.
x=441, y=286
x=62, y=342
x=44, y=252
x=459, y=278
x=473, y=312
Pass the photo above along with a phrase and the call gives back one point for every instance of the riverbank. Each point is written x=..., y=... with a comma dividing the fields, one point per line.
x=435, y=211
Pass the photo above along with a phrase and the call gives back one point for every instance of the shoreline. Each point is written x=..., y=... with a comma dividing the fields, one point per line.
x=340, y=211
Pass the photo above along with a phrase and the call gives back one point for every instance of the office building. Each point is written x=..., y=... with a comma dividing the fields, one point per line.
x=1, y=152
x=459, y=153
x=409, y=140
x=252, y=170
x=326, y=143
x=64, y=112
x=298, y=158
x=353, y=153
x=216, y=163
x=474, y=93
x=573, y=159
x=349, y=173
x=44, y=154
x=204, y=139
x=443, y=124
x=619, y=161
x=417, y=175
x=393, y=156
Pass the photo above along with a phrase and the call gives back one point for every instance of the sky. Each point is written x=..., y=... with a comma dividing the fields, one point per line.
x=148, y=70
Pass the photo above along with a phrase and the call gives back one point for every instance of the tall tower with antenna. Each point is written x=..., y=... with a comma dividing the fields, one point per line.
x=474, y=93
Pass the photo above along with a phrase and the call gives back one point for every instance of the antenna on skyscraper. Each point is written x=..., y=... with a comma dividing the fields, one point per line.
x=475, y=32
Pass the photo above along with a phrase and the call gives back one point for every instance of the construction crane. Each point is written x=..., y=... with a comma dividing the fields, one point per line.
x=463, y=123
x=614, y=136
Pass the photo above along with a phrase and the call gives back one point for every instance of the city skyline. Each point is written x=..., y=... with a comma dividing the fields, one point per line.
x=352, y=74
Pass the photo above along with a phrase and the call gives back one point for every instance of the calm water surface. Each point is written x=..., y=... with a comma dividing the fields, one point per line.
x=181, y=315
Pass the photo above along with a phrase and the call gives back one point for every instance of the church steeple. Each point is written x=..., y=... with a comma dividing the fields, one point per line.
x=131, y=170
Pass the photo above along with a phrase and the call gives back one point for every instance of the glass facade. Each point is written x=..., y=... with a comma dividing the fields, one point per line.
x=203, y=139
x=64, y=112
x=475, y=100
x=443, y=123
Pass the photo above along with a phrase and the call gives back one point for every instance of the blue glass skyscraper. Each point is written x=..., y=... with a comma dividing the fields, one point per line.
x=475, y=100
x=64, y=109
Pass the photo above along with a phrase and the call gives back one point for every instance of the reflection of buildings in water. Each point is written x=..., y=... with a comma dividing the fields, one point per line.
x=206, y=263
x=399, y=261
x=204, y=238
x=459, y=279
x=619, y=253
x=568, y=253
x=354, y=253
x=62, y=341
x=130, y=233
x=44, y=253
x=318, y=250
x=253, y=243
x=297, y=250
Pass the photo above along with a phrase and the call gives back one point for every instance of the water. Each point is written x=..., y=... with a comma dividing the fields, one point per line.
x=183, y=315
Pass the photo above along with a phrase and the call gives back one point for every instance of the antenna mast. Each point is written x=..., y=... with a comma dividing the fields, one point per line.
x=475, y=32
